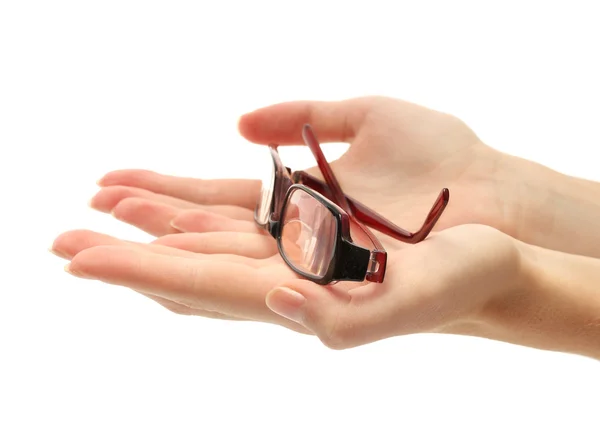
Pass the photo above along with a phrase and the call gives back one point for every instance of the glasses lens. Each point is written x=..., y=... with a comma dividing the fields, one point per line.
x=308, y=233
x=263, y=208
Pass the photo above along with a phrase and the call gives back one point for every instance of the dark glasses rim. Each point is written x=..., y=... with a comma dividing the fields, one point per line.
x=349, y=262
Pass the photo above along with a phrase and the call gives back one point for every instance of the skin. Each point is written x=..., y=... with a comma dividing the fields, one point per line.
x=483, y=273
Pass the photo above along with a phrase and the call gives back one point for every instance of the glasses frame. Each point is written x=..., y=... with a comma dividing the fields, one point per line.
x=348, y=261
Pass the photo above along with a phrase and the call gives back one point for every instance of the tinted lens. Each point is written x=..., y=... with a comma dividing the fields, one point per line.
x=263, y=208
x=308, y=233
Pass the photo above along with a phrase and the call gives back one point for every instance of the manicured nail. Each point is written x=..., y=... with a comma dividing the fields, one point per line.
x=57, y=253
x=116, y=216
x=73, y=272
x=174, y=224
x=68, y=269
x=287, y=303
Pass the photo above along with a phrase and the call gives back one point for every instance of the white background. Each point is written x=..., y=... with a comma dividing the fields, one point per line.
x=91, y=86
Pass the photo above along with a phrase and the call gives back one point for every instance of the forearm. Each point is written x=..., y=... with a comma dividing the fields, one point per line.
x=556, y=305
x=553, y=210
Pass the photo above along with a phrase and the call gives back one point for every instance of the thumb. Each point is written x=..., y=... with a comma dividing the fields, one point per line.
x=282, y=123
x=326, y=311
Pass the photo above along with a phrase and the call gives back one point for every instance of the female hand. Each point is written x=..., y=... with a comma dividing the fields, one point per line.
x=443, y=284
x=455, y=281
x=400, y=156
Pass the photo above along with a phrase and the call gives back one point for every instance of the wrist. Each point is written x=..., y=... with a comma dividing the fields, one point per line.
x=527, y=191
x=503, y=308
x=549, y=209
x=554, y=304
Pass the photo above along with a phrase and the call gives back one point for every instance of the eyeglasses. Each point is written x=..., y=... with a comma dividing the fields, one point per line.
x=321, y=233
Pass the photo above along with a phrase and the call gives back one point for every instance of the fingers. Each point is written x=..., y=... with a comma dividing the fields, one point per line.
x=107, y=199
x=204, y=221
x=150, y=216
x=68, y=244
x=71, y=243
x=229, y=288
x=236, y=243
x=282, y=123
x=160, y=219
x=235, y=192
x=212, y=288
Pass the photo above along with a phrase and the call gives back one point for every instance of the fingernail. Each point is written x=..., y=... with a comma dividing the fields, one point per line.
x=68, y=270
x=116, y=216
x=73, y=272
x=287, y=303
x=174, y=224
x=57, y=253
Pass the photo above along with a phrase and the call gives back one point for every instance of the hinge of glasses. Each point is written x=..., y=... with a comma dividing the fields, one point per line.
x=373, y=264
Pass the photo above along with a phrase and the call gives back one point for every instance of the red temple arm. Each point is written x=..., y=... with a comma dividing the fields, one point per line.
x=333, y=191
x=375, y=220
